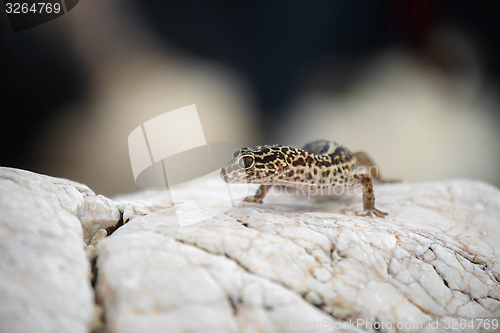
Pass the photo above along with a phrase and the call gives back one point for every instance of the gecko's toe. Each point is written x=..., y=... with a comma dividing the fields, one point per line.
x=372, y=213
x=253, y=200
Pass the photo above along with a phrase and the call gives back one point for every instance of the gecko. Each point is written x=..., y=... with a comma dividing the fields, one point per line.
x=318, y=168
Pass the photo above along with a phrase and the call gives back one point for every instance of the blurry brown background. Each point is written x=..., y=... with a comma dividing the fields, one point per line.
x=415, y=84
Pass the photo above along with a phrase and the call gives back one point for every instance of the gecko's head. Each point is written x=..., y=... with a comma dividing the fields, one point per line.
x=259, y=165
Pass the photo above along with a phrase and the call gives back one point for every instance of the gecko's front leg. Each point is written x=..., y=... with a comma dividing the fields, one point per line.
x=259, y=196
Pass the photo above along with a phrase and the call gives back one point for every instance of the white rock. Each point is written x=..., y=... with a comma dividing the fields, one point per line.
x=99, y=212
x=292, y=264
x=434, y=257
x=167, y=285
x=44, y=272
x=94, y=212
x=60, y=192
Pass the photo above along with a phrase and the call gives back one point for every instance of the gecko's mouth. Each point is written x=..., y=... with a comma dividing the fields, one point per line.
x=224, y=176
x=231, y=178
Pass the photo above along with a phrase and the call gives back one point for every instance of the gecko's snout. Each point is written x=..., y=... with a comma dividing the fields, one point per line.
x=223, y=174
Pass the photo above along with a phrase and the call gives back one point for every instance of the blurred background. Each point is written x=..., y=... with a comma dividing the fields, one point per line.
x=413, y=83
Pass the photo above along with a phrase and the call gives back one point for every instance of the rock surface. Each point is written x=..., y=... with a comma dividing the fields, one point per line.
x=44, y=272
x=434, y=258
x=291, y=264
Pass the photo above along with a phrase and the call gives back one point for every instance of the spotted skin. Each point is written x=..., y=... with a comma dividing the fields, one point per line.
x=318, y=169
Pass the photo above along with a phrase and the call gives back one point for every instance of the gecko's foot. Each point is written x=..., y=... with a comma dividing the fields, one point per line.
x=372, y=213
x=253, y=200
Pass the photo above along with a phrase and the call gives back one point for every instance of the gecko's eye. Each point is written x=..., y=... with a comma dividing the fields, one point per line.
x=246, y=162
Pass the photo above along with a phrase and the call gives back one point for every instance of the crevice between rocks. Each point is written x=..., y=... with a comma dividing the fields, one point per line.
x=99, y=320
x=110, y=230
